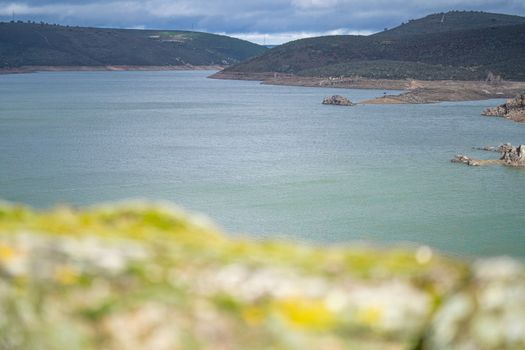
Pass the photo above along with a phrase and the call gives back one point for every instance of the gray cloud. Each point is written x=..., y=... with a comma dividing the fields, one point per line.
x=274, y=21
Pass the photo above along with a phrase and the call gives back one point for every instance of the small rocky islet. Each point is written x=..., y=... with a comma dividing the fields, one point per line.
x=513, y=156
x=337, y=100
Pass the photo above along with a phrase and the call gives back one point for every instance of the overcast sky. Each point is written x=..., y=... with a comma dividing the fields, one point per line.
x=269, y=21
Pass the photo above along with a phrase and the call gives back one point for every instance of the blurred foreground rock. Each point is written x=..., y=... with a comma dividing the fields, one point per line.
x=487, y=313
x=147, y=276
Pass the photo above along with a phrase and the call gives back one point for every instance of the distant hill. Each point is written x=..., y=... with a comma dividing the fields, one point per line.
x=452, y=21
x=465, y=46
x=39, y=44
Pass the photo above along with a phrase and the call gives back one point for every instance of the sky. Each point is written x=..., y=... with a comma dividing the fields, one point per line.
x=263, y=22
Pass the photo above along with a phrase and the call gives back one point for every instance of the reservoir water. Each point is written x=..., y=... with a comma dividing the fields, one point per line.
x=270, y=161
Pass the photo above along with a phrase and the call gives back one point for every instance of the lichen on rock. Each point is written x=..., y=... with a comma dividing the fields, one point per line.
x=488, y=313
x=148, y=276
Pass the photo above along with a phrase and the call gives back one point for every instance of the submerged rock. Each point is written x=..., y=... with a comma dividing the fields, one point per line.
x=337, y=100
x=513, y=109
x=488, y=148
x=460, y=158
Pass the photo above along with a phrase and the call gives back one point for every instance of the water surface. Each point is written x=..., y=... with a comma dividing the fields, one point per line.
x=268, y=160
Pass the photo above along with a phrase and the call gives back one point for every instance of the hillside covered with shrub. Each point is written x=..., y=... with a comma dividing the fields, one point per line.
x=40, y=44
x=455, y=45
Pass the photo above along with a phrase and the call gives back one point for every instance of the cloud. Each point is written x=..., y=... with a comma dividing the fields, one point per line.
x=280, y=38
x=275, y=21
x=309, y=4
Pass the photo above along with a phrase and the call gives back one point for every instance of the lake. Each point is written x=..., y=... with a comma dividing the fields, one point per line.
x=271, y=161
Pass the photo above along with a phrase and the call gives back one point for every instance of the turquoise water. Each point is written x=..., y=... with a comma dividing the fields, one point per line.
x=268, y=160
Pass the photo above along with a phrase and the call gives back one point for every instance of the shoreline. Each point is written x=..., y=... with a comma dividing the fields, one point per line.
x=414, y=91
x=106, y=68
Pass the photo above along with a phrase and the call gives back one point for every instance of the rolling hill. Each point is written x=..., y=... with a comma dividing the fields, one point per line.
x=452, y=21
x=40, y=44
x=455, y=45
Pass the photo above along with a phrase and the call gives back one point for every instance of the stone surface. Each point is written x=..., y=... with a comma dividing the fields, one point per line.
x=510, y=156
x=148, y=276
x=513, y=156
x=488, y=313
x=460, y=158
x=337, y=100
x=513, y=109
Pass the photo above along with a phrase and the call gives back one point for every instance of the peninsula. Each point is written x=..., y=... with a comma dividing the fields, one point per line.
x=451, y=56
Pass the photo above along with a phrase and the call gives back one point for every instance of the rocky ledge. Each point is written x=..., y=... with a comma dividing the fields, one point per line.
x=337, y=100
x=460, y=158
x=513, y=109
x=513, y=156
x=510, y=156
x=147, y=276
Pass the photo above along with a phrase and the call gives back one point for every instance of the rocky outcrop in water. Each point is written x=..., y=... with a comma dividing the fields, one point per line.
x=337, y=100
x=460, y=158
x=510, y=156
x=489, y=148
x=513, y=109
x=513, y=156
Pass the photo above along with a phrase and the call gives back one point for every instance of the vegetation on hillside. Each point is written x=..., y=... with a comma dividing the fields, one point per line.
x=452, y=21
x=454, y=52
x=388, y=69
x=40, y=44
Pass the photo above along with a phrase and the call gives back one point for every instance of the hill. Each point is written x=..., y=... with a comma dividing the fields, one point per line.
x=40, y=44
x=464, y=49
x=452, y=21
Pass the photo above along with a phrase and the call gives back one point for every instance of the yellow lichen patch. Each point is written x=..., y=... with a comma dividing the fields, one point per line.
x=370, y=316
x=62, y=220
x=65, y=275
x=254, y=315
x=305, y=313
x=6, y=252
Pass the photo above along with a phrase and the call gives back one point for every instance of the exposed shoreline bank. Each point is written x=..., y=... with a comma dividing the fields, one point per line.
x=416, y=91
x=111, y=68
